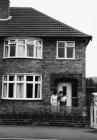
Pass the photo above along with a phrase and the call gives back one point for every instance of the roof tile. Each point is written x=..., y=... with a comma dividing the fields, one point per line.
x=30, y=22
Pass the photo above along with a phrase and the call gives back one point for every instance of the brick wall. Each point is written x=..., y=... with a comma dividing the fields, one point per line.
x=48, y=65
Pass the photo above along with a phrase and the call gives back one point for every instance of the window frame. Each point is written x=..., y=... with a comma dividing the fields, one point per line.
x=24, y=82
x=65, y=48
x=25, y=47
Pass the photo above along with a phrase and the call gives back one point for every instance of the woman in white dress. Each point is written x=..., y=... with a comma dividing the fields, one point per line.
x=54, y=102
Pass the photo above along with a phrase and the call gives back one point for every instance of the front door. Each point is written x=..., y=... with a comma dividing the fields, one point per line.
x=67, y=90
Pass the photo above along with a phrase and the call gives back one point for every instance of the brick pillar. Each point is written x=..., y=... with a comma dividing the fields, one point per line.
x=84, y=96
x=84, y=90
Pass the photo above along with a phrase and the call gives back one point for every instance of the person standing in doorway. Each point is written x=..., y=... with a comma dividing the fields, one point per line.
x=62, y=99
x=54, y=102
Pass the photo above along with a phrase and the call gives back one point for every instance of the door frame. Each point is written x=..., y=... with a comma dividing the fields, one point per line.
x=69, y=92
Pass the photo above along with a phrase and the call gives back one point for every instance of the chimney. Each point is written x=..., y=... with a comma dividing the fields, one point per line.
x=4, y=9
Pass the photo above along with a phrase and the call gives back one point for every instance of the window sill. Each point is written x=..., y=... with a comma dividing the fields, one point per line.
x=38, y=99
x=66, y=59
x=21, y=58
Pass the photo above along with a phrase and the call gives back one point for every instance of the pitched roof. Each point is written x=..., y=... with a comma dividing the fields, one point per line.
x=30, y=22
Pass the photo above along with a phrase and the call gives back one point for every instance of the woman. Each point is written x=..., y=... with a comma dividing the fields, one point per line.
x=62, y=100
x=54, y=102
x=60, y=97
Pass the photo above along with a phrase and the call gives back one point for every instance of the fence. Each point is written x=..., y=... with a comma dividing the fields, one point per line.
x=43, y=115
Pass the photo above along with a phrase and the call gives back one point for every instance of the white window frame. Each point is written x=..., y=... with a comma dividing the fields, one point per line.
x=25, y=46
x=25, y=85
x=65, y=42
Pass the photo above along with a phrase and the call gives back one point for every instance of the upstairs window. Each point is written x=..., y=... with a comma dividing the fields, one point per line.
x=65, y=50
x=23, y=48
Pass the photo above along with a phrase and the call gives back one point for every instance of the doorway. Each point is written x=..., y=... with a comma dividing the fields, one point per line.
x=67, y=90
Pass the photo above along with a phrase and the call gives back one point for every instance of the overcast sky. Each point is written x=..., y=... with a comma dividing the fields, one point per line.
x=80, y=14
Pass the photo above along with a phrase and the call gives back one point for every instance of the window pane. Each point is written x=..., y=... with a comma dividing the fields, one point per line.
x=11, y=78
x=29, y=78
x=21, y=50
x=19, y=90
x=37, y=78
x=21, y=42
x=30, y=50
x=38, y=43
x=12, y=50
x=20, y=78
x=30, y=42
x=29, y=91
x=6, y=51
x=5, y=90
x=70, y=44
x=69, y=52
x=38, y=52
x=6, y=42
x=61, y=44
x=12, y=41
x=61, y=52
x=5, y=78
x=11, y=90
x=37, y=90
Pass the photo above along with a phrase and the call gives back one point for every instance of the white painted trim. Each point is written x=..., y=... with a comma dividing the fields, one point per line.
x=65, y=58
x=22, y=58
x=22, y=98
x=9, y=18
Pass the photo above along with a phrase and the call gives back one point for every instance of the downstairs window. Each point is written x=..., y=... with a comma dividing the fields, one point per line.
x=22, y=87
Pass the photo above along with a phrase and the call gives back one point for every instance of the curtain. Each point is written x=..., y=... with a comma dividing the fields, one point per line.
x=38, y=51
x=37, y=90
x=5, y=90
x=20, y=78
x=19, y=90
x=6, y=51
x=21, y=50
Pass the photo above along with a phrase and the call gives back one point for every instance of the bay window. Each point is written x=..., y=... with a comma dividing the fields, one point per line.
x=23, y=48
x=22, y=86
x=65, y=50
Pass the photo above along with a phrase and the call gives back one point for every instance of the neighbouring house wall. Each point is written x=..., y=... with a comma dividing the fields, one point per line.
x=48, y=65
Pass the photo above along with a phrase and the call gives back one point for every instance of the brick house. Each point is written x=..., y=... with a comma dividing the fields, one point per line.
x=39, y=54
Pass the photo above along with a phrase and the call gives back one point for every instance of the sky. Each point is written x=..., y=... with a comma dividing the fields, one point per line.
x=80, y=14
